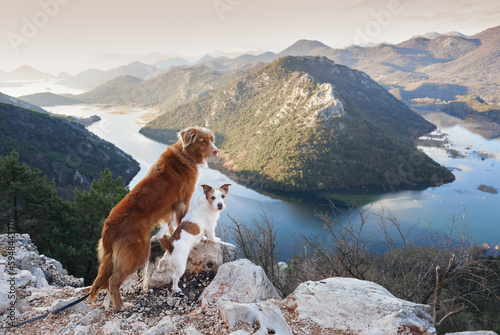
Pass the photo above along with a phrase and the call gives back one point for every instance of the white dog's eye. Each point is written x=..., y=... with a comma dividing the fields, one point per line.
x=213, y=198
x=223, y=196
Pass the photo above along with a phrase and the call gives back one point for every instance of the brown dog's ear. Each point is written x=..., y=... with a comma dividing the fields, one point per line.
x=225, y=187
x=206, y=189
x=187, y=136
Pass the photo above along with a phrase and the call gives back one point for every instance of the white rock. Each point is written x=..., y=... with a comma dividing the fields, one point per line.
x=94, y=316
x=40, y=281
x=361, y=307
x=191, y=330
x=165, y=326
x=81, y=330
x=6, y=296
x=25, y=259
x=22, y=306
x=113, y=327
x=239, y=281
x=264, y=316
x=23, y=278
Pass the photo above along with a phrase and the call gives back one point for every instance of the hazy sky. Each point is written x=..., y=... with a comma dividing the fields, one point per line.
x=69, y=35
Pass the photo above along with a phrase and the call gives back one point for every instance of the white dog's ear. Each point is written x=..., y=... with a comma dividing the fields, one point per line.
x=188, y=136
x=225, y=187
x=206, y=189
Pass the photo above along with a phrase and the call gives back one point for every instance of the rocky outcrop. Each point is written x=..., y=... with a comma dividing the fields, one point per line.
x=239, y=281
x=359, y=307
x=239, y=300
x=205, y=257
x=23, y=268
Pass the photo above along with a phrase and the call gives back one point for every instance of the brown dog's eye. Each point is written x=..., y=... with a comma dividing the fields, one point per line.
x=213, y=198
x=203, y=140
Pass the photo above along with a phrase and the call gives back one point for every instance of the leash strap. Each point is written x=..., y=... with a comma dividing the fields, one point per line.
x=47, y=314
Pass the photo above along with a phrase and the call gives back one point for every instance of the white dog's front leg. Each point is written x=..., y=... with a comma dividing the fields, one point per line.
x=211, y=236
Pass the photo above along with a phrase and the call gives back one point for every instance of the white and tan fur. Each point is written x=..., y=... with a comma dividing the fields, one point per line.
x=200, y=220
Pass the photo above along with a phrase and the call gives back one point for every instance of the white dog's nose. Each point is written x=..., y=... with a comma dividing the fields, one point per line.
x=220, y=205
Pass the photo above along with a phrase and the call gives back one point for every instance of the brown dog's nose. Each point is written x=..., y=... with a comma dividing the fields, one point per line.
x=215, y=151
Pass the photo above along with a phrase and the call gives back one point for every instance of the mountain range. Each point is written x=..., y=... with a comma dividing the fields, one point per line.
x=92, y=78
x=25, y=72
x=167, y=90
x=450, y=60
x=451, y=72
x=306, y=124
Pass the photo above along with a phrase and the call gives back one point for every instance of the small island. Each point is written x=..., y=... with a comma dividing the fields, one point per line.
x=487, y=189
x=87, y=121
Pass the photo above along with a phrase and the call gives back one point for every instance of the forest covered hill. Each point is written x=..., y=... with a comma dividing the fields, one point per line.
x=306, y=123
x=63, y=150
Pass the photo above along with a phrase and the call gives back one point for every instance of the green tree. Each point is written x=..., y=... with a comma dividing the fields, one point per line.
x=68, y=232
x=27, y=202
x=89, y=211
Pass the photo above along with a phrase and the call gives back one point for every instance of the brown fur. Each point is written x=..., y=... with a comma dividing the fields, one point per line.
x=187, y=226
x=166, y=190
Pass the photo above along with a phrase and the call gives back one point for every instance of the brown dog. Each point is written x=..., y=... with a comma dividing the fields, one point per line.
x=166, y=190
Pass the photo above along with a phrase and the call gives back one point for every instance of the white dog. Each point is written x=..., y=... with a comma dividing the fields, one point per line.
x=201, y=219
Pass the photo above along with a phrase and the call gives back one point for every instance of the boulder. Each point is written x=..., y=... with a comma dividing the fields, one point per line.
x=360, y=307
x=239, y=281
x=206, y=256
x=261, y=318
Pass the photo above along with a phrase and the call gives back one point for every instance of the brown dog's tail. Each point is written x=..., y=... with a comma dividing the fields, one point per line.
x=166, y=243
x=105, y=271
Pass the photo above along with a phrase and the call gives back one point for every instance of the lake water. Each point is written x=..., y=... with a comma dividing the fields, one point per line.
x=477, y=163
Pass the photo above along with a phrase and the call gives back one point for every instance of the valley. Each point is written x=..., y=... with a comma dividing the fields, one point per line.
x=299, y=128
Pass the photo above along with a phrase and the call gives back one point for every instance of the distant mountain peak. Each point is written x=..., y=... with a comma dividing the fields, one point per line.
x=433, y=35
x=302, y=48
x=26, y=72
